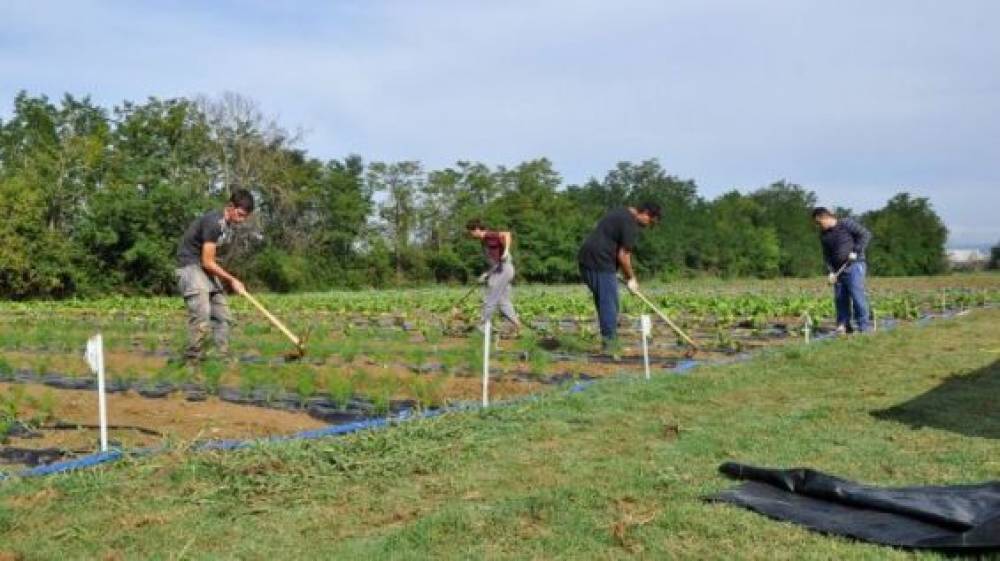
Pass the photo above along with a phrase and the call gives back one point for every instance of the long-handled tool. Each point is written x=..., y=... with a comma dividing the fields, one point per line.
x=836, y=276
x=454, y=309
x=300, y=343
x=687, y=339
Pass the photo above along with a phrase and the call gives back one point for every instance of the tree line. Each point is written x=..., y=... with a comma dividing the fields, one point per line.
x=93, y=201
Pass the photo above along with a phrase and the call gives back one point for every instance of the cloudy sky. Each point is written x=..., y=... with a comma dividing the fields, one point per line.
x=854, y=99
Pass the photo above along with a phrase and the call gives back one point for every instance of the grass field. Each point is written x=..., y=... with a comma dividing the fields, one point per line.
x=617, y=471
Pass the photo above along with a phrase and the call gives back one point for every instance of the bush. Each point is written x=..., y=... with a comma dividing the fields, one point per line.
x=282, y=272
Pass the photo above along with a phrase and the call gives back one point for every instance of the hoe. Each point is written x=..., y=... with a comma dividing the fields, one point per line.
x=693, y=349
x=299, y=342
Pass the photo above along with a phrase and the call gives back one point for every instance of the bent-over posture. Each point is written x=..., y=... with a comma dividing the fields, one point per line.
x=606, y=249
x=200, y=277
x=844, y=241
x=500, y=275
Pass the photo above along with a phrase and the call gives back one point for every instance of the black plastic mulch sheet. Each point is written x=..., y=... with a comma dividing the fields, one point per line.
x=960, y=518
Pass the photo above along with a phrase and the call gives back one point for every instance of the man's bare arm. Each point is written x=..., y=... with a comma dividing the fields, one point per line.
x=625, y=262
x=212, y=267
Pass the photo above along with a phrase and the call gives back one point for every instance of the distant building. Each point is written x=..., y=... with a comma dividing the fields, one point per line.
x=968, y=258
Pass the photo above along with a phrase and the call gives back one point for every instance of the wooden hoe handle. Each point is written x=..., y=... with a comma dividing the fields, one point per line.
x=277, y=323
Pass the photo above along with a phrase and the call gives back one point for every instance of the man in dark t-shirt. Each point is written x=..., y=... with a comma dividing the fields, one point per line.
x=844, y=242
x=200, y=277
x=606, y=249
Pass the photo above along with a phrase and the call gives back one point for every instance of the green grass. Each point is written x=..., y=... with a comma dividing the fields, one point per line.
x=615, y=472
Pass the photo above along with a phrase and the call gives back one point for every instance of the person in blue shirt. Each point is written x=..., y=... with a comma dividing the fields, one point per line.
x=844, y=241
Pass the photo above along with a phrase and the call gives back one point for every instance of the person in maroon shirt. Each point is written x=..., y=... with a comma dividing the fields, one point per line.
x=496, y=247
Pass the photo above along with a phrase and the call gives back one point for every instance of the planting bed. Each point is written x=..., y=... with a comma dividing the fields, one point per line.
x=374, y=354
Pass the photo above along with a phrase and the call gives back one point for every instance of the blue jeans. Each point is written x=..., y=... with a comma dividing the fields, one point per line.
x=850, y=290
x=604, y=286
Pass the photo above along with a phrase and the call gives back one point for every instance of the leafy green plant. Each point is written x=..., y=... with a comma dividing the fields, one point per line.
x=11, y=402
x=349, y=350
x=428, y=390
x=382, y=392
x=573, y=343
x=451, y=361
x=44, y=407
x=539, y=361
x=432, y=334
x=252, y=376
x=305, y=383
x=418, y=356
x=211, y=373
x=473, y=356
x=339, y=388
x=43, y=366
x=361, y=379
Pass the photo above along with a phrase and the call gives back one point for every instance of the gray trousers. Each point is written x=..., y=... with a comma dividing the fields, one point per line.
x=208, y=312
x=498, y=293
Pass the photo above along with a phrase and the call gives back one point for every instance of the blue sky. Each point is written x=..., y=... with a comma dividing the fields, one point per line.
x=856, y=100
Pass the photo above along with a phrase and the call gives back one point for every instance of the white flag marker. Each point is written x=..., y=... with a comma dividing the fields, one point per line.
x=486, y=363
x=95, y=359
x=647, y=327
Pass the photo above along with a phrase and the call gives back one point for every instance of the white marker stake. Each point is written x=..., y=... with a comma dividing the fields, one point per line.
x=647, y=327
x=486, y=363
x=95, y=358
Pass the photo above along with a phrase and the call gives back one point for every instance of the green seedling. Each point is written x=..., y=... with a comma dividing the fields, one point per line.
x=428, y=390
x=382, y=393
x=340, y=389
x=305, y=383
x=211, y=373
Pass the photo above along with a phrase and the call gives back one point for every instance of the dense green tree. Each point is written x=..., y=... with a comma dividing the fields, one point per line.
x=399, y=184
x=51, y=158
x=787, y=208
x=158, y=179
x=95, y=202
x=744, y=243
x=908, y=238
x=547, y=228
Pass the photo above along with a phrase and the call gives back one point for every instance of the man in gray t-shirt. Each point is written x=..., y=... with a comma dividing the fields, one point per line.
x=200, y=277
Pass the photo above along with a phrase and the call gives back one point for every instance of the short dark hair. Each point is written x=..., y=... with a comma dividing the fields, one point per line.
x=241, y=198
x=821, y=211
x=474, y=224
x=652, y=209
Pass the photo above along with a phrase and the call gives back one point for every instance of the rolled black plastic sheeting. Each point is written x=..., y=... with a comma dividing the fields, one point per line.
x=957, y=518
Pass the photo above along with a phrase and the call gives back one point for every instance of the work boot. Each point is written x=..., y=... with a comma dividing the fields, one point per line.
x=611, y=348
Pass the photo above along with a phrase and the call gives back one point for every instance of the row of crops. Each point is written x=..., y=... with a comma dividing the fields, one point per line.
x=373, y=353
x=702, y=301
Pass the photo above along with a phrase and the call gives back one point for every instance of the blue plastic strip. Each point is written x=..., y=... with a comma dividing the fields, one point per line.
x=74, y=464
x=685, y=366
